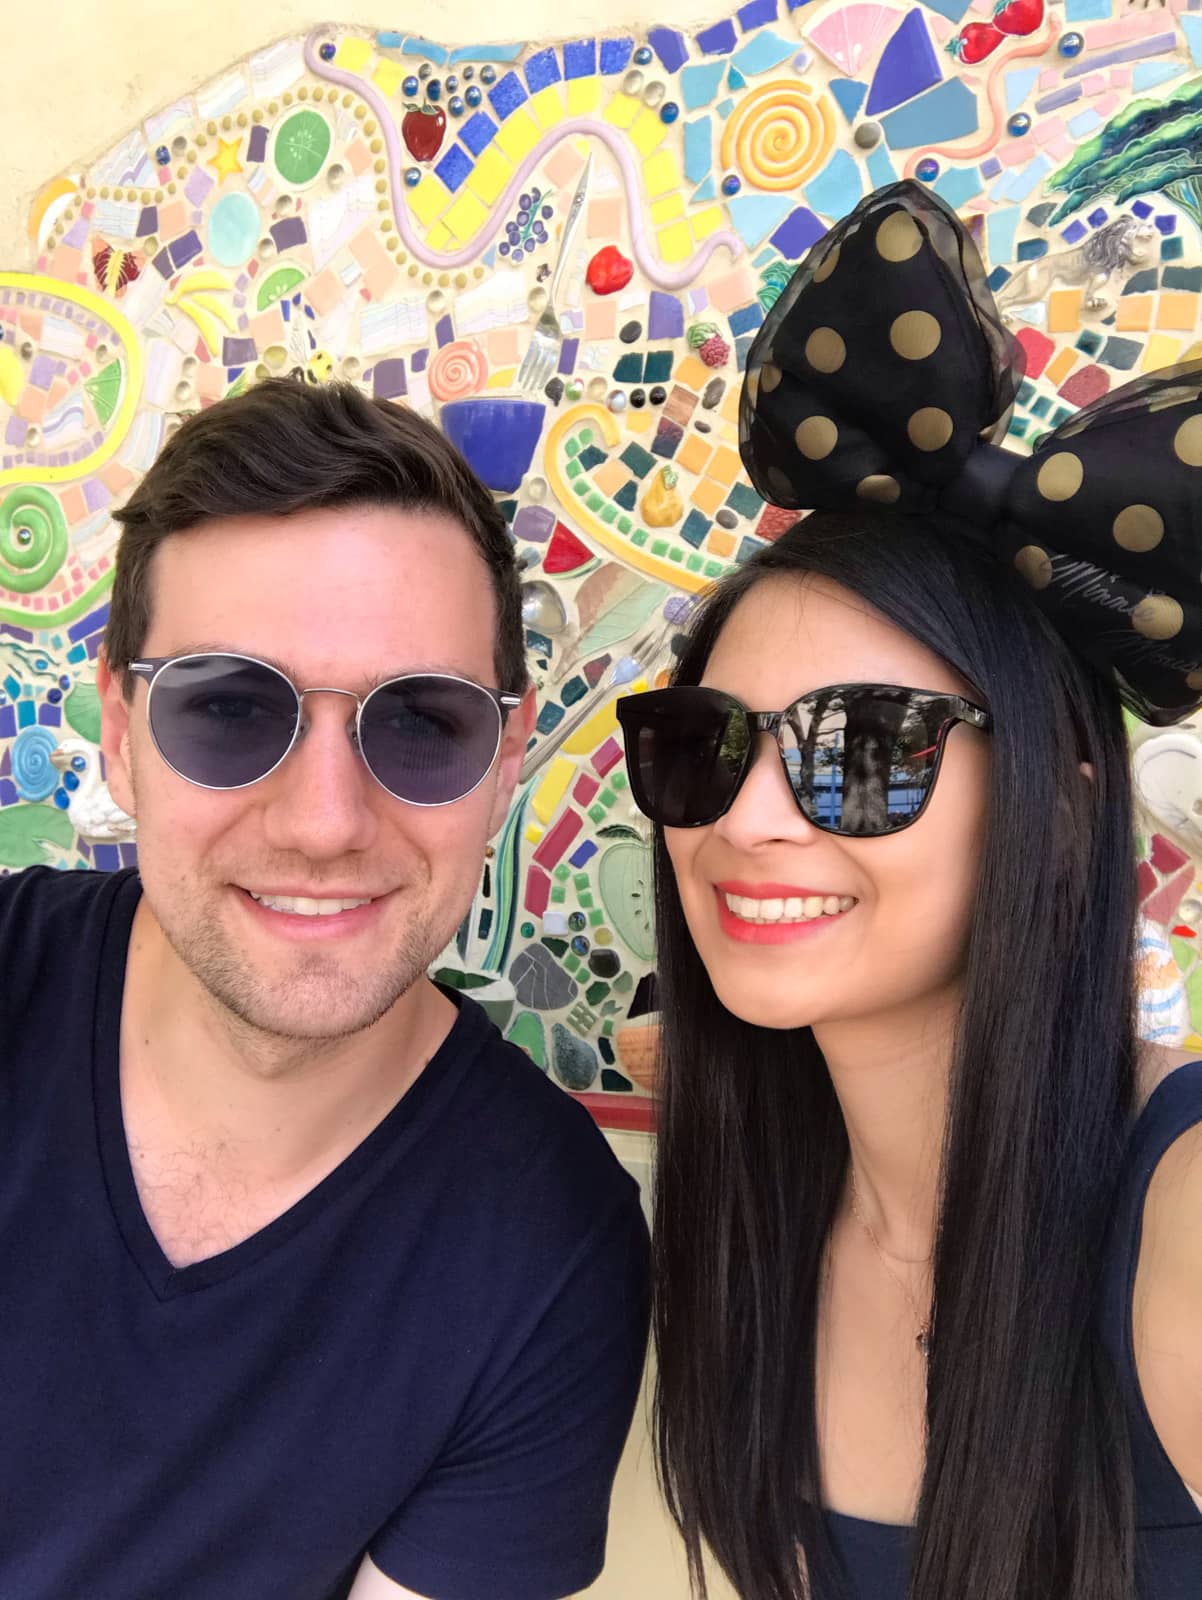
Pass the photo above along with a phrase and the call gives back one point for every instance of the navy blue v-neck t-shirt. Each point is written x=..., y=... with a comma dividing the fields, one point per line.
x=432, y=1357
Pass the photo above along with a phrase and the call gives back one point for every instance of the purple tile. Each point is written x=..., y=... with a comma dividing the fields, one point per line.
x=41, y=372
x=567, y=355
x=15, y=431
x=1161, y=45
x=797, y=233
x=50, y=716
x=188, y=246
x=719, y=40
x=908, y=65
x=95, y=494
x=238, y=352
x=1058, y=98
x=148, y=221
x=665, y=316
x=444, y=331
x=669, y=46
x=289, y=231
x=388, y=378
x=534, y=524
x=418, y=360
x=198, y=186
x=990, y=167
x=256, y=145
x=1074, y=232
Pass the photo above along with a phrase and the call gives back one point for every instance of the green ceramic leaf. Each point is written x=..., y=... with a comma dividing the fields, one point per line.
x=82, y=711
x=25, y=829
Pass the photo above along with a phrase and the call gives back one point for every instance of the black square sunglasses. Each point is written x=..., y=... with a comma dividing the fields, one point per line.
x=223, y=721
x=861, y=759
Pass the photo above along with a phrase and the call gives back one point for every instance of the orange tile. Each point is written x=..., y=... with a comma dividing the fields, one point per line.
x=725, y=466
x=720, y=543
x=693, y=454
x=358, y=158
x=116, y=478
x=368, y=249
x=1177, y=310
x=600, y=319
x=611, y=475
x=730, y=402
x=1135, y=313
x=1061, y=364
x=75, y=507
x=639, y=421
x=324, y=291
x=693, y=373
x=1064, y=310
x=504, y=347
x=708, y=496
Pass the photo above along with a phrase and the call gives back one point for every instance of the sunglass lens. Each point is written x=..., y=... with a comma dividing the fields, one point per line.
x=686, y=752
x=429, y=739
x=222, y=721
x=861, y=760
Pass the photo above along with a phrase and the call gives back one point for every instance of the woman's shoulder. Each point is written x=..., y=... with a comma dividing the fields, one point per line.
x=1155, y=1063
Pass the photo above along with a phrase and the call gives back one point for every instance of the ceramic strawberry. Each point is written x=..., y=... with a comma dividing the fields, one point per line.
x=1018, y=17
x=975, y=41
x=609, y=270
x=422, y=128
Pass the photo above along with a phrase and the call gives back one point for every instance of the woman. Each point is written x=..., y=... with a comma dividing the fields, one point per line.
x=912, y=1339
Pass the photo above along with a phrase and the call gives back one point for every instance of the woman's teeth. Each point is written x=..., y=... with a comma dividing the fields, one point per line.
x=794, y=909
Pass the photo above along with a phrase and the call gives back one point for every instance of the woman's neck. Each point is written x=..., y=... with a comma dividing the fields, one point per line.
x=890, y=1073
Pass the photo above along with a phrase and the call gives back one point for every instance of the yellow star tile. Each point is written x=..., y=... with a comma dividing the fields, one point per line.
x=225, y=163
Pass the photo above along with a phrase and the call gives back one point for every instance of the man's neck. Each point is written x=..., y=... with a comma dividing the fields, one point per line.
x=246, y=1121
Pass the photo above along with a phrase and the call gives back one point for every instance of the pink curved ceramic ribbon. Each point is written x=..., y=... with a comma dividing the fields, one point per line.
x=663, y=277
x=1035, y=45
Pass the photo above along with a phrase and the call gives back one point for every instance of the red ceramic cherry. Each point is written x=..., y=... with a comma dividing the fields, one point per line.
x=609, y=271
x=975, y=41
x=422, y=128
x=1018, y=17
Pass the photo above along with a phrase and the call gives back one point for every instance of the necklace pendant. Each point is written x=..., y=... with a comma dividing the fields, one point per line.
x=923, y=1341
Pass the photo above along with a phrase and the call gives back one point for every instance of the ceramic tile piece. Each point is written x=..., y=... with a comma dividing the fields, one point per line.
x=797, y=233
x=958, y=185
x=506, y=95
x=953, y=10
x=518, y=135
x=580, y=58
x=660, y=173
x=477, y=131
x=936, y=117
x=1000, y=229
x=541, y=69
x=767, y=50
x=838, y=188
x=880, y=167
x=698, y=148
x=615, y=53
x=719, y=39
x=1019, y=84
x=756, y=13
x=454, y=168
x=908, y=65
x=1149, y=74
x=848, y=96
x=754, y=216
x=667, y=209
x=850, y=36
x=706, y=191
x=1086, y=10
x=1191, y=27
x=699, y=84
x=669, y=46
x=647, y=132
x=584, y=96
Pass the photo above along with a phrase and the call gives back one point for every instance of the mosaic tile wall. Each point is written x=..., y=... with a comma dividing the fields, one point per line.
x=373, y=206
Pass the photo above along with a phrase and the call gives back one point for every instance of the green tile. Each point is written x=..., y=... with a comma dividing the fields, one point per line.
x=594, y=501
x=584, y=899
x=558, y=894
x=624, y=524
x=574, y=469
x=606, y=797
x=581, y=880
x=639, y=536
x=572, y=446
x=693, y=564
x=562, y=873
x=659, y=547
x=609, y=512
x=596, y=917
x=597, y=813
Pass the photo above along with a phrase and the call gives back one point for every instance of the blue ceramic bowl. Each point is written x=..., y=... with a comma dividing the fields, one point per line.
x=497, y=434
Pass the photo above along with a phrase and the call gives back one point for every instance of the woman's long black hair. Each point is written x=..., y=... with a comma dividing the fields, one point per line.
x=1027, y=1489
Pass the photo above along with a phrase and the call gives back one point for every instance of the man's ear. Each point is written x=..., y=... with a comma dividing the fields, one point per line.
x=114, y=732
x=519, y=725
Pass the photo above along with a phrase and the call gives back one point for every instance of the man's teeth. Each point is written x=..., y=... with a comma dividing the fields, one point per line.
x=304, y=907
x=794, y=909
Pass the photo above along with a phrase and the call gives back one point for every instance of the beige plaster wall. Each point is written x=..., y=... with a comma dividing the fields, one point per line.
x=75, y=75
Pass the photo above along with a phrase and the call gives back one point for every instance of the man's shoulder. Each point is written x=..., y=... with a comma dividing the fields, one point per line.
x=51, y=920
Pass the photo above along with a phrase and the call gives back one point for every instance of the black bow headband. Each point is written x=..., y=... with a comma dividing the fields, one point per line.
x=880, y=373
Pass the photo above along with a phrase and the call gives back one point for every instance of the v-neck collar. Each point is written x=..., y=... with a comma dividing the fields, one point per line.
x=165, y=1280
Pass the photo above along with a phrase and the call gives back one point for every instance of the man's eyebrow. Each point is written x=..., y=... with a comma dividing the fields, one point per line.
x=367, y=683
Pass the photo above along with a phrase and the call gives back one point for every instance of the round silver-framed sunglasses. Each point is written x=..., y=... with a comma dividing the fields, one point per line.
x=221, y=720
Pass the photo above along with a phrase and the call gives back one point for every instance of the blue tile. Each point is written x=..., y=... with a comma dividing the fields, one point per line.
x=665, y=316
x=507, y=95
x=486, y=52
x=838, y=188
x=453, y=168
x=1142, y=208
x=699, y=85
x=797, y=233
x=1166, y=225
x=958, y=185
x=615, y=53
x=908, y=65
x=936, y=117
x=997, y=278
x=478, y=131
x=580, y=58
x=542, y=70
x=1074, y=233
x=746, y=318
x=698, y=149
x=694, y=528
x=718, y=40
x=849, y=96
x=427, y=50
x=755, y=216
x=1031, y=250
x=755, y=13
x=669, y=46
x=760, y=54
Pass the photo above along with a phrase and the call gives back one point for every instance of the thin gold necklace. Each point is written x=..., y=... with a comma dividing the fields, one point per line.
x=923, y=1338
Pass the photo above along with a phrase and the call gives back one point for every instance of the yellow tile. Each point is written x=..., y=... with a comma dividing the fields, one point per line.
x=707, y=496
x=693, y=373
x=622, y=110
x=353, y=54
x=429, y=199
x=467, y=216
x=1135, y=313
x=533, y=833
x=501, y=378
x=661, y=172
x=1193, y=353
x=725, y=466
x=1160, y=351
x=518, y=134
x=1059, y=367
x=647, y=132
x=675, y=242
x=490, y=174
x=440, y=237
x=730, y=403
x=547, y=105
x=584, y=96
x=388, y=76
x=1064, y=310
x=720, y=543
x=666, y=209
x=639, y=421
x=708, y=221
x=600, y=726
x=693, y=454
x=1177, y=310
x=545, y=800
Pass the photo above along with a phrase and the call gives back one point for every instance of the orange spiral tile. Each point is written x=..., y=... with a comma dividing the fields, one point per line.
x=779, y=135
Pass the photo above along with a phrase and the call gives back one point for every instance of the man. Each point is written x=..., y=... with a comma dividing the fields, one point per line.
x=310, y=1285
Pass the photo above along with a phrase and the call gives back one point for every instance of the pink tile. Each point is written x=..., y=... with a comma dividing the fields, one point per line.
x=1094, y=83
x=1101, y=35
x=1120, y=77
x=1045, y=132
x=1015, y=152
x=1107, y=104
x=1049, y=77
x=564, y=166
x=1061, y=146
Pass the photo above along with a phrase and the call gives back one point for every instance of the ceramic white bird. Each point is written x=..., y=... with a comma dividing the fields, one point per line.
x=93, y=812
